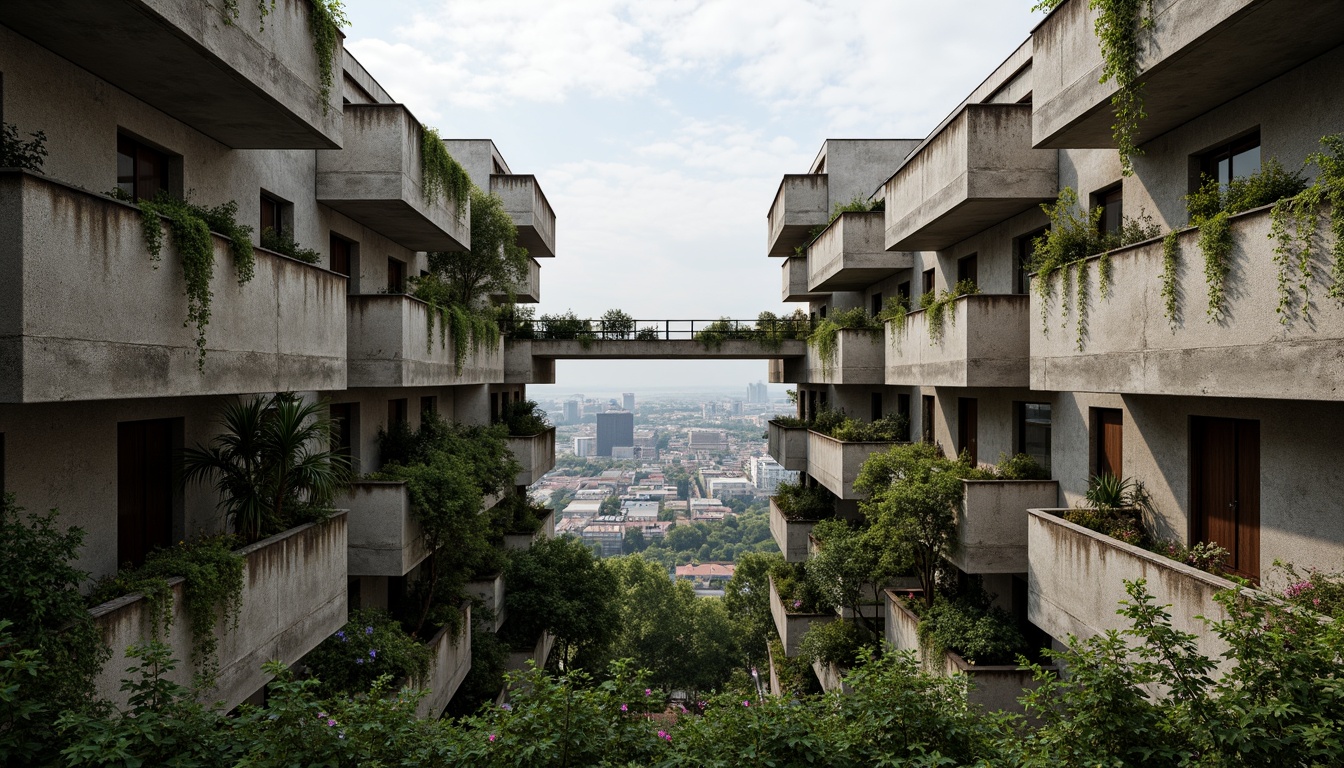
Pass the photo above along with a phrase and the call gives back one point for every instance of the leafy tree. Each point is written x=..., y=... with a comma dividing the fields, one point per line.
x=559, y=586
x=847, y=570
x=634, y=542
x=492, y=267
x=747, y=599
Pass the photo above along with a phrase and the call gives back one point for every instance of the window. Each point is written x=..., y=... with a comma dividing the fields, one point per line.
x=903, y=293
x=1111, y=203
x=396, y=276
x=396, y=412
x=2, y=464
x=1022, y=250
x=928, y=281
x=142, y=171
x=429, y=405
x=926, y=418
x=273, y=214
x=823, y=311
x=903, y=411
x=342, y=255
x=968, y=269
x=1033, y=432
x=877, y=304
x=1233, y=160
x=147, y=498
x=875, y=404
x=968, y=428
x=494, y=408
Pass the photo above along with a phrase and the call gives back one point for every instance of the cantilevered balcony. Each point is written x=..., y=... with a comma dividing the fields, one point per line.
x=1129, y=346
x=392, y=344
x=794, y=287
x=859, y=358
x=489, y=591
x=87, y=314
x=449, y=663
x=982, y=342
x=376, y=179
x=242, y=85
x=385, y=539
x=531, y=212
x=1076, y=580
x=520, y=541
x=977, y=171
x=528, y=290
x=851, y=255
x=792, y=626
x=836, y=463
x=1197, y=55
x=294, y=597
x=790, y=535
x=535, y=453
x=801, y=203
x=787, y=445
x=992, y=523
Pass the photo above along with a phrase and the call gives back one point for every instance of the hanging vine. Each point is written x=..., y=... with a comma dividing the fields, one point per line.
x=825, y=338
x=325, y=19
x=1171, y=255
x=1293, y=225
x=440, y=173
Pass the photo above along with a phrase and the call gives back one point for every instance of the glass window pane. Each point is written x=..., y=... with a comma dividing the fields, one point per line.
x=1246, y=163
x=1035, y=430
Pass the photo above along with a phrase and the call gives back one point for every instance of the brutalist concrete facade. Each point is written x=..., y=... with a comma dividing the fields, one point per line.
x=93, y=346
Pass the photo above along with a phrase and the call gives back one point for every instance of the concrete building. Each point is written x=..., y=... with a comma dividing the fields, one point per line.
x=585, y=446
x=103, y=384
x=767, y=474
x=731, y=488
x=615, y=429
x=628, y=401
x=572, y=412
x=758, y=393
x=640, y=510
x=1228, y=420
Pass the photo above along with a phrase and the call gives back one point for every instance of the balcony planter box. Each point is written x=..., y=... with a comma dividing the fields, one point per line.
x=794, y=277
x=531, y=212
x=390, y=345
x=385, y=539
x=538, y=653
x=983, y=344
x=1198, y=55
x=977, y=170
x=831, y=677
x=294, y=597
x=792, y=626
x=851, y=255
x=801, y=203
x=834, y=463
x=1131, y=348
x=527, y=290
x=992, y=523
x=77, y=327
x=791, y=535
x=860, y=357
x=536, y=454
x=449, y=665
x=518, y=541
x=992, y=687
x=490, y=591
x=375, y=178
x=787, y=445
x=1076, y=576
x=242, y=85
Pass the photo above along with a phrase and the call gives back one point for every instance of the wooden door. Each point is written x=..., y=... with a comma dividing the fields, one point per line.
x=926, y=417
x=1225, y=489
x=968, y=428
x=144, y=488
x=1109, y=436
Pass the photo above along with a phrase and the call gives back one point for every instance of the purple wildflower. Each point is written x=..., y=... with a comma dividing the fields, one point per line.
x=648, y=691
x=368, y=630
x=624, y=708
x=373, y=653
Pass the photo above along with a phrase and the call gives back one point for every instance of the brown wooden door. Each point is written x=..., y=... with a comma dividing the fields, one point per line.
x=144, y=488
x=968, y=428
x=926, y=417
x=1225, y=489
x=1110, y=442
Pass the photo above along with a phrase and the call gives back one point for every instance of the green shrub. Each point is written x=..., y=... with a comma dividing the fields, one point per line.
x=1020, y=466
x=825, y=338
x=523, y=418
x=796, y=591
x=370, y=645
x=617, y=324
x=888, y=429
x=970, y=626
x=566, y=326
x=282, y=242
x=1314, y=590
x=834, y=642
x=804, y=503
x=17, y=153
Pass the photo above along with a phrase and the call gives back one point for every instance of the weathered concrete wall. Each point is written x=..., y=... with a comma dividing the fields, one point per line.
x=851, y=254
x=76, y=328
x=391, y=345
x=294, y=593
x=860, y=357
x=983, y=344
x=539, y=653
x=478, y=157
x=794, y=280
x=831, y=677
x=857, y=167
x=385, y=539
x=992, y=523
x=531, y=212
x=376, y=179
x=979, y=170
x=1130, y=347
x=448, y=667
x=791, y=536
x=787, y=445
x=800, y=203
x=490, y=592
x=536, y=454
x=1076, y=582
x=835, y=464
x=243, y=85
x=792, y=626
x=520, y=541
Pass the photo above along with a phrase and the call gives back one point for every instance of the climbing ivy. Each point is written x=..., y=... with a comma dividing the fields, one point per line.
x=1293, y=228
x=1171, y=255
x=825, y=338
x=440, y=173
x=326, y=19
x=938, y=307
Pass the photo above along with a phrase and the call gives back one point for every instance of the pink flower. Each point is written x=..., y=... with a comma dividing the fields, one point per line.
x=330, y=723
x=648, y=691
x=746, y=703
x=624, y=708
x=492, y=737
x=664, y=735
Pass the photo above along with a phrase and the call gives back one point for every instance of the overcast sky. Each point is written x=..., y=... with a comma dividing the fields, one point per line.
x=659, y=129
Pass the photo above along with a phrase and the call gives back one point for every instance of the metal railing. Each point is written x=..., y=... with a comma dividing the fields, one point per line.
x=722, y=329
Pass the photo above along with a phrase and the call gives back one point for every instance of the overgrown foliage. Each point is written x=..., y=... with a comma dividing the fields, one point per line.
x=773, y=330
x=801, y=503
x=825, y=337
x=969, y=625
x=17, y=153
x=326, y=18
x=1293, y=227
x=271, y=464
x=282, y=242
x=370, y=645
x=524, y=418
x=617, y=324
x=558, y=586
x=441, y=175
x=212, y=591
x=191, y=226
x=937, y=308
x=856, y=204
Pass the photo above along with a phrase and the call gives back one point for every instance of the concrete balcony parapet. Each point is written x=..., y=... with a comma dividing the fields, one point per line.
x=519, y=541
x=982, y=342
x=294, y=597
x=376, y=179
x=978, y=170
x=1197, y=55
x=794, y=275
x=528, y=290
x=248, y=83
x=860, y=358
x=536, y=454
x=835, y=463
x=87, y=314
x=1130, y=346
x=490, y=591
x=851, y=254
x=801, y=203
x=787, y=445
x=792, y=626
x=992, y=523
x=391, y=344
x=791, y=535
x=531, y=212
x=385, y=538
x=448, y=665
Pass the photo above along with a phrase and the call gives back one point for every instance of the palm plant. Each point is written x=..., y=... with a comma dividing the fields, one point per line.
x=271, y=460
